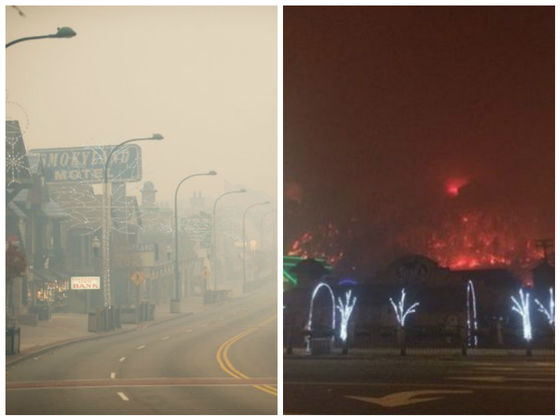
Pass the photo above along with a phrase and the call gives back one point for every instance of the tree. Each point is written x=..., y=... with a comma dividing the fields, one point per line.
x=15, y=267
x=15, y=262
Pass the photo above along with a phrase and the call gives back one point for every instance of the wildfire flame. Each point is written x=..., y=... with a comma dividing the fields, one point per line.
x=461, y=241
x=322, y=244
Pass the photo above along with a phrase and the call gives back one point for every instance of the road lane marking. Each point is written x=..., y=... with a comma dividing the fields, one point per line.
x=398, y=399
x=141, y=347
x=123, y=396
x=221, y=381
x=501, y=386
x=549, y=364
x=113, y=375
x=499, y=379
x=122, y=359
x=498, y=368
x=226, y=365
x=165, y=338
x=231, y=370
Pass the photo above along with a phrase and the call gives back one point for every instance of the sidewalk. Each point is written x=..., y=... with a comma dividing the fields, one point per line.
x=371, y=353
x=65, y=328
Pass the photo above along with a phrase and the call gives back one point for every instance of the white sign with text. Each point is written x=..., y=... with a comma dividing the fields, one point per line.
x=85, y=283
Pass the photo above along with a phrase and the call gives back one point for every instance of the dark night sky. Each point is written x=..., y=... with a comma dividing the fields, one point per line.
x=384, y=105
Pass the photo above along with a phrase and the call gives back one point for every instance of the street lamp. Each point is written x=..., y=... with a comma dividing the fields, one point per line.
x=175, y=303
x=273, y=227
x=106, y=231
x=64, y=32
x=95, y=247
x=242, y=190
x=244, y=240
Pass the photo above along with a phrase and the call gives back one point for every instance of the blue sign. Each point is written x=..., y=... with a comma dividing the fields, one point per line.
x=87, y=164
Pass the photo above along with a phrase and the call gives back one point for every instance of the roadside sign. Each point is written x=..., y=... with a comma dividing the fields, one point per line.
x=85, y=283
x=137, y=278
x=198, y=228
x=87, y=164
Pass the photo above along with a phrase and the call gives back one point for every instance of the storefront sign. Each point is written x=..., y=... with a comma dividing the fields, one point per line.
x=87, y=164
x=85, y=283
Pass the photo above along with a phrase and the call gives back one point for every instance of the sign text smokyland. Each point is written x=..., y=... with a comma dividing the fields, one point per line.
x=86, y=164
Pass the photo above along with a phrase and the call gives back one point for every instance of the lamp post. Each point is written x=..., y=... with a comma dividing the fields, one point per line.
x=273, y=228
x=64, y=32
x=175, y=306
x=244, y=241
x=106, y=231
x=273, y=248
x=242, y=190
x=95, y=247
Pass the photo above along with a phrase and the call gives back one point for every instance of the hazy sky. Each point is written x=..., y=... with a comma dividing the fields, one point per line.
x=204, y=77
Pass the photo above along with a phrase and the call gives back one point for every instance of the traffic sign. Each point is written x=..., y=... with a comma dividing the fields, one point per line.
x=137, y=278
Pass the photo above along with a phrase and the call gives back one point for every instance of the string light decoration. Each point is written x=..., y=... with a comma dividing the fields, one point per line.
x=400, y=312
x=523, y=309
x=549, y=313
x=84, y=207
x=345, y=310
x=472, y=323
x=16, y=160
x=310, y=319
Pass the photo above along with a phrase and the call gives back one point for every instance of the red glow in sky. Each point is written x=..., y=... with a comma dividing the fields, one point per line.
x=453, y=185
x=421, y=116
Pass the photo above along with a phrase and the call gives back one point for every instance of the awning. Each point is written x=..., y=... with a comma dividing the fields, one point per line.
x=53, y=210
x=43, y=275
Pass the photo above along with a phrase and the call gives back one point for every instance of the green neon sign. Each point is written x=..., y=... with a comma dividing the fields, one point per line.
x=290, y=261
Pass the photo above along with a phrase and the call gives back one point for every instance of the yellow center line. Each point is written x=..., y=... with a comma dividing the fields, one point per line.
x=225, y=364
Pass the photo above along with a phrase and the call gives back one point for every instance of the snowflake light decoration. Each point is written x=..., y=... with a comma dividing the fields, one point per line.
x=400, y=312
x=16, y=162
x=523, y=308
x=345, y=310
x=549, y=313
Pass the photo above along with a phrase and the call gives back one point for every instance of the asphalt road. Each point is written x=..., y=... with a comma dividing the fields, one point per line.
x=419, y=385
x=219, y=361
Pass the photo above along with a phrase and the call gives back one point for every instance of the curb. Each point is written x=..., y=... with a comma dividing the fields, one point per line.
x=512, y=353
x=53, y=346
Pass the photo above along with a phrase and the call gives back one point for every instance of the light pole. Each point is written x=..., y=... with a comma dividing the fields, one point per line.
x=214, y=267
x=175, y=306
x=106, y=231
x=273, y=228
x=244, y=241
x=95, y=246
x=274, y=256
x=64, y=32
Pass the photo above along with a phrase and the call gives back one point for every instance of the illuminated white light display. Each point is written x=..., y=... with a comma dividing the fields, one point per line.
x=522, y=308
x=310, y=320
x=345, y=310
x=400, y=312
x=472, y=323
x=549, y=313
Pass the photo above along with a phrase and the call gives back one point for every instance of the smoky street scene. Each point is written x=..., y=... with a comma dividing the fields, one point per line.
x=141, y=210
x=418, y=272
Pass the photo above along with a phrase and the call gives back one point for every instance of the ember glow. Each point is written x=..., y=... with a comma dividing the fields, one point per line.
x=479, y=241
x=462, y=240
x=322, y=244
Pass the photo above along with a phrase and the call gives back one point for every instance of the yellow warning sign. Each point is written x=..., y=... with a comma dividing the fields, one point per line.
x=137, y=278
